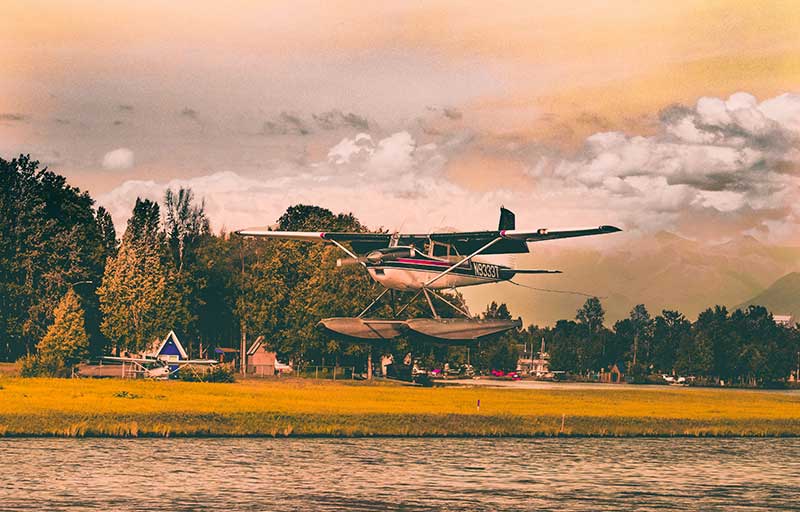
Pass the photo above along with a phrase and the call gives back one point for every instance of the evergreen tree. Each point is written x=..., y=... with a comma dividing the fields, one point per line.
x=66, y=341
x=106, y=231
x=132, y=294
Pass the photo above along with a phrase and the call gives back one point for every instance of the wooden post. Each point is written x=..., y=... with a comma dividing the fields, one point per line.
x=369, y=365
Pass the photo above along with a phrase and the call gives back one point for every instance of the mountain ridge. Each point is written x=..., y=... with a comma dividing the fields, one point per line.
x=662, y=271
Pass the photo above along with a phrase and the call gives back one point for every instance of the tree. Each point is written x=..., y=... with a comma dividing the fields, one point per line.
x=186, y=223
x=66, y=340
x=592, y=315
x=592, y=335
x=564, y=346
x=134, y=283
x=497, y=311
x=187, y=228
x=144, y=226
x=49, y=240
x=106, y=232
x=642, y=326
x=671, y=330
x=499, y=352
x=724, y=332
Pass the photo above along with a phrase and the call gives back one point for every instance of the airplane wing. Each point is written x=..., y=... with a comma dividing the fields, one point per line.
x=513, y=240
x=130, y=359
x=547, y=234
x=361, y=243
x=315, y=236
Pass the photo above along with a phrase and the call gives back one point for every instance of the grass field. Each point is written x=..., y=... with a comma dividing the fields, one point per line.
x=296, y=407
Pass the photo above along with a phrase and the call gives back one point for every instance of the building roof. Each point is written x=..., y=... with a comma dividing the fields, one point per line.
x=226, y=350
x=255, y=346
x=782, y=319
x=171, y=340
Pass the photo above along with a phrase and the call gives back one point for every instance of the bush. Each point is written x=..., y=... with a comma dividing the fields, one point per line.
x=40, y=365
x=217, y=373
x=655, y=379
x=28, y=366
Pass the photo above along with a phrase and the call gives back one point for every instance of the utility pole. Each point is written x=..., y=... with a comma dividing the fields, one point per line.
x=243, y=350
x=243, y=324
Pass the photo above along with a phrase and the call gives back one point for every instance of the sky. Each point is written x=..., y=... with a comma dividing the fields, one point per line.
x=419, y=116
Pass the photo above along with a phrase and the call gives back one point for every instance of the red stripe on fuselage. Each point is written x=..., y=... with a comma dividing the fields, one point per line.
x=423, y=262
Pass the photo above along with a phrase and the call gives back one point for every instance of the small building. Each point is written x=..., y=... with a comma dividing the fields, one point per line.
x=537, y=364
x=169, y=349
x=227, y=355
x=614, y=374
x=783, y=320
x=260, y=361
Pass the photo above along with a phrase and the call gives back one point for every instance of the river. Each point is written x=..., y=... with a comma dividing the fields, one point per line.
x=399, y=474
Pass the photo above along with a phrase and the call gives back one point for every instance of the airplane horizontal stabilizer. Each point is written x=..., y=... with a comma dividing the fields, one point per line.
x=508, y=273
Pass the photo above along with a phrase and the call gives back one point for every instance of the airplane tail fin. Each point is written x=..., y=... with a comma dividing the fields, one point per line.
x=506, y=220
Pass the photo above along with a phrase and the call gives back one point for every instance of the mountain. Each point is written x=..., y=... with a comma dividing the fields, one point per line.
x=781, y=298
x=662, y=271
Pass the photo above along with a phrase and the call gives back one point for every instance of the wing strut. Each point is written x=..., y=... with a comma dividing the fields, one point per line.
x=441, y=298
x=345, y=249
x=373, y=303
x=461, y=262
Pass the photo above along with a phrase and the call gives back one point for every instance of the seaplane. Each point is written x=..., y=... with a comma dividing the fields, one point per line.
x=426, y=264
x=159, y=368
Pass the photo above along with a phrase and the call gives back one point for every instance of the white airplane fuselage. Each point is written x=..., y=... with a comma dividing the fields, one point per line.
x=412, y=273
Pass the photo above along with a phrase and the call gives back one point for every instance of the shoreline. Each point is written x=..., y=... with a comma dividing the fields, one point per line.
x=316, y=409
x=360, y=427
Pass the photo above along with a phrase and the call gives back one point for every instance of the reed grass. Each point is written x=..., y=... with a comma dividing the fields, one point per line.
x=298, y=407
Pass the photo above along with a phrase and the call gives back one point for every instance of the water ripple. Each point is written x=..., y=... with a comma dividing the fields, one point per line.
x=399, y=474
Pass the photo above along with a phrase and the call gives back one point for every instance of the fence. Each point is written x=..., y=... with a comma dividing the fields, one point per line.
x=328, y=372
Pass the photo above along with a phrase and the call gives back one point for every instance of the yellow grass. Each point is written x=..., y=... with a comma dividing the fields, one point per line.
x=305, y=407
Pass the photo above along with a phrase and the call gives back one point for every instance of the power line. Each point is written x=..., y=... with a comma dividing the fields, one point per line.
x=549, y=290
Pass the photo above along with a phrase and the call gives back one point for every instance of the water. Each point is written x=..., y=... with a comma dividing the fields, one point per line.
x=400, y=474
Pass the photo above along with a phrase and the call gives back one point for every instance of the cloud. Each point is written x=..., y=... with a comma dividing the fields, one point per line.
x=335, y=119
x=719, y=168
x=189, y=113
x=390, y=182
x=451, y=113
x=285, y=124
x=349, y=149
x=7, y=116
x=118, y=159
x=721, y=155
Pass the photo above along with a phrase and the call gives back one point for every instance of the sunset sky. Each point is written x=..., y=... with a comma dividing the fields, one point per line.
x=679, y=116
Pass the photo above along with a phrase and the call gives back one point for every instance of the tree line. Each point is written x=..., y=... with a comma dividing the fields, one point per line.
x=743, y=347
x=167, y=271
x=71, y=288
